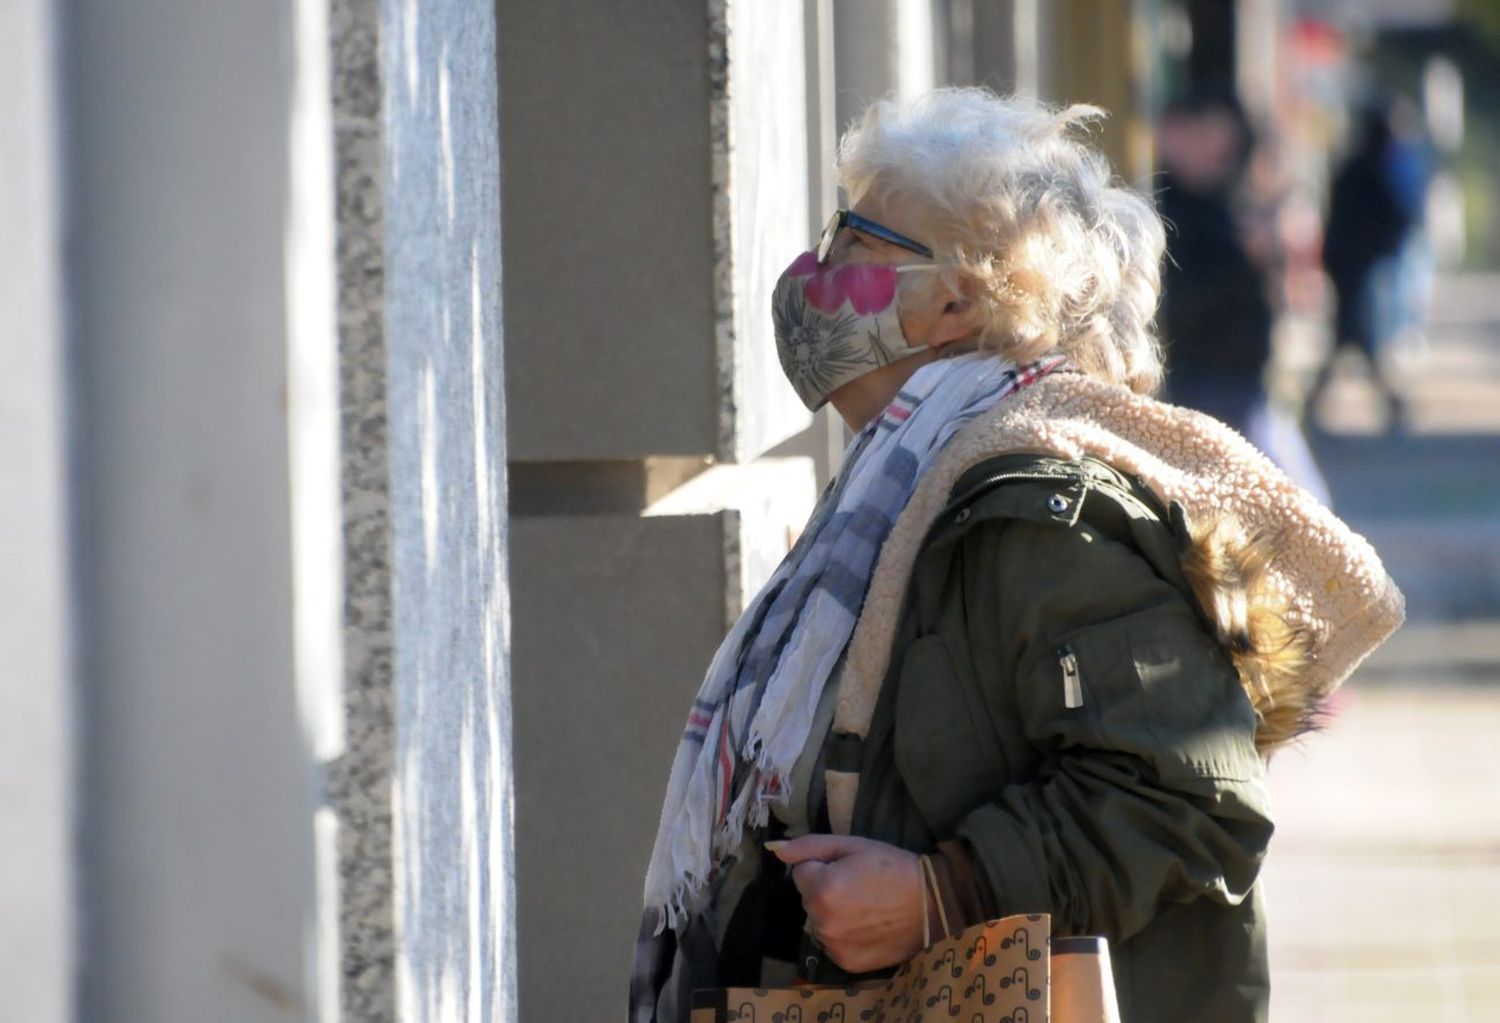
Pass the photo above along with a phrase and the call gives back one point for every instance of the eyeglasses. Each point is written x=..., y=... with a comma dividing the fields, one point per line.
x=848, y=218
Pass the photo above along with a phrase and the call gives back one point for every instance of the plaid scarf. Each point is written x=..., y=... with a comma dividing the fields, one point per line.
x=753, y=714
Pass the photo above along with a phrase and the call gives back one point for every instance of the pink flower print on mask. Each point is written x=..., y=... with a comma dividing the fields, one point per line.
x=836, y=323
x=867, y=287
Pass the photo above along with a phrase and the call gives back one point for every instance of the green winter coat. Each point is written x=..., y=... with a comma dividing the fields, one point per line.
x=1055, y=697
x=1082, y=684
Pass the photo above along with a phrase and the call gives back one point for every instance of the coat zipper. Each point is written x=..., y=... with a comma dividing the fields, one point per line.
x=1072, y=681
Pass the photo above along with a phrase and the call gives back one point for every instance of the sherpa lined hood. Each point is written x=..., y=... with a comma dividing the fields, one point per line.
x=1297, y=597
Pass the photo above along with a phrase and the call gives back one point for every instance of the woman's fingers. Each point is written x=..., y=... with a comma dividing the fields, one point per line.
x=862, y=897
x=809, y=877
x=825, y=848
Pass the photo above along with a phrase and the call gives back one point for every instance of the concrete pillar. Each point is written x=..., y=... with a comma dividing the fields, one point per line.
x=883, y=48
x=1102, y=54
x=37, y=876
x=1060, y=50
x=657, y=182
x=647, y=236
x=290, y=507
x=446, y=399
x=1002, y=44
x=616, y=618
x=826, y=437
x=196, y=796
x=418, y=825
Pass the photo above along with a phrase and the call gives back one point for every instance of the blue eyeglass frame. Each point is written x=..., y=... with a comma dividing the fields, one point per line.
x=848, y=218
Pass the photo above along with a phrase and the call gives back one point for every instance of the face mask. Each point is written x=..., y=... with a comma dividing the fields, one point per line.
x=836, y=322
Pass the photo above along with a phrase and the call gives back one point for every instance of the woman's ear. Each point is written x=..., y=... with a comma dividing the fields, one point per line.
x=955, y=322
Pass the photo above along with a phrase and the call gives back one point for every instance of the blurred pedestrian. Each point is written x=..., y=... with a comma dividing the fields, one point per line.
x=1373, y=248
x=1223, y=248
x=1215, y=316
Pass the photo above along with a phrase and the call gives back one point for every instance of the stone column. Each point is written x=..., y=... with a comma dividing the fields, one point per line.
x=37, y=876
x=418, y=784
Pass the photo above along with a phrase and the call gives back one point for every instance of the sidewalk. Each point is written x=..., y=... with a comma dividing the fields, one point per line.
x=1384, y=876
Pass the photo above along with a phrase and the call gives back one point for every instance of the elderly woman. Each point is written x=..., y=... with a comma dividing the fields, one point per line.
x=1042, y=631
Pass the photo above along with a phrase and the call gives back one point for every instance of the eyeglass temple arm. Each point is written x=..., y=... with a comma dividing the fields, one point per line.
x=859, y=223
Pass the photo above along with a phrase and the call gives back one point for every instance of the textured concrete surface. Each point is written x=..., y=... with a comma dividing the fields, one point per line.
x=417, y=844
x=357, y=782
x=452, y=803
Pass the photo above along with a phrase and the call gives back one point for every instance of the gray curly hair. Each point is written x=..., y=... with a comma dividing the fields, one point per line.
x=1015, y=203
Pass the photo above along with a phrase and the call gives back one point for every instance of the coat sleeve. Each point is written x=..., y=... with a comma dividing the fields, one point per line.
x=1149, y=790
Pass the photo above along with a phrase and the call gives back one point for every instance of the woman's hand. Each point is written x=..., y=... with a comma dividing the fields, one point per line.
x=863, y=898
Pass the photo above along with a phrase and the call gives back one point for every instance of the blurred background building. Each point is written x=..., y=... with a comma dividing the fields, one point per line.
x=393, y=429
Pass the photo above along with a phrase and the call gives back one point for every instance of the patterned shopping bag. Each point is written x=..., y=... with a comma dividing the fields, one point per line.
x=995, y=972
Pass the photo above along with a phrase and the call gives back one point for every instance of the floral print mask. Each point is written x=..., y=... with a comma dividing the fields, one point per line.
x=836, y=322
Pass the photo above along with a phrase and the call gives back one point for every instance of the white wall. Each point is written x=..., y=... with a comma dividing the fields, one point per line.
x=36, y=870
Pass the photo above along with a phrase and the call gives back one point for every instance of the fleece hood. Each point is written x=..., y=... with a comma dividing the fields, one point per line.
x=1297, y=597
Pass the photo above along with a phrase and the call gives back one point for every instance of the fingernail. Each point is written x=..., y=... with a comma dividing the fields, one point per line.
x=773, y=846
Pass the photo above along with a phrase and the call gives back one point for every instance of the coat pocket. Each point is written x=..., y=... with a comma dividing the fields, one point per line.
x=1153, y=684
x=945, y=748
